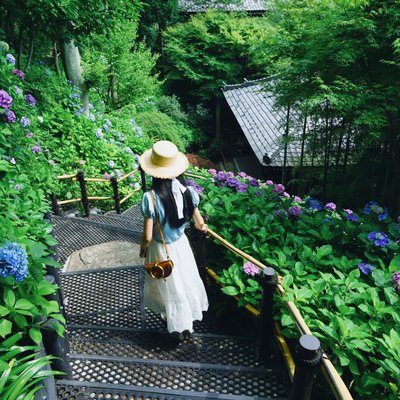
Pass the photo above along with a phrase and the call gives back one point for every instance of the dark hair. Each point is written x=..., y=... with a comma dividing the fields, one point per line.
x=163, y=189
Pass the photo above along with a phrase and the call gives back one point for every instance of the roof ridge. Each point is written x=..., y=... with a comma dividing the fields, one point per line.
x=247, y=83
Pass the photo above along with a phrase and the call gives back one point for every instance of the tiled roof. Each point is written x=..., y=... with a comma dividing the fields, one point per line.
x=194, y=6
x=262, y=123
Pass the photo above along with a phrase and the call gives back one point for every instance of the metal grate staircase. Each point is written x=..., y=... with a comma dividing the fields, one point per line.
x=122, y=350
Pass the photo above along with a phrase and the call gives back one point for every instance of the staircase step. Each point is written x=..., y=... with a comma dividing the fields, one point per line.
x=117, y=221
x=183, y=376
x=114, y=297
x=203, y=348
x=70, y=389
x=74, y=234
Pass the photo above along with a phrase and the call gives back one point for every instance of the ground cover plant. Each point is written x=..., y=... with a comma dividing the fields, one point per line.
x=340, y=267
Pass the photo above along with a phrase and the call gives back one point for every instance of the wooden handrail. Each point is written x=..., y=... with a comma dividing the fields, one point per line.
x=195, y=176
x=66, y=176
x=336, y=383
x=129, y=195
x=128, y=174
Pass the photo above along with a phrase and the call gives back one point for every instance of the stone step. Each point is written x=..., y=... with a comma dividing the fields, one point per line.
x=202, y=348
x=183, y=376
x=71, y=389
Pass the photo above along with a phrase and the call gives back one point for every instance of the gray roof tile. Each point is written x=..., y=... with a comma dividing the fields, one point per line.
x=262, y=123
x=194, y=6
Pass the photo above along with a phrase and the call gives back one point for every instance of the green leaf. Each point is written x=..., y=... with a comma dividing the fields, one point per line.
x=35, y=335
x=394, y=265
x=4, y=311
x=23, y=304
x=230, y=290
x=9, y=298
x=5, y=327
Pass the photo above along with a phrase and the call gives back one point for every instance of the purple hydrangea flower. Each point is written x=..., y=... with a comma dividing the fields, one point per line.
x=296, y=211
x=253, y=181
x=297, y=199
x=75, y=96
x=5, y=99
x=99, y=133
x=259, y=193
x=10, y=59
x=230, y=174
x=365, y=268
x=36, y=149
x=286, y=195
x=17, y=90
x=277, y=213
x=117, y=173
x=106, y=127
x=348, y=211
x=30, y=100
x=330, y=206
x=195, y=185
x=29, y=135
x=396, y=280
x=279, y=188
x=269, y=182
x=41, y=62
x=108, y=122
x=13, y=262
x=92, y=117
x=106, y=176
x=24, y=122
x=139, y=132
x=111, y=164
x=241, y=188
x=18, y=73
x=250, y=269
x=212, y=171
x=379, y=239
x=242, y=174
x=9, y=116
x=352, y=217
x=18, y=186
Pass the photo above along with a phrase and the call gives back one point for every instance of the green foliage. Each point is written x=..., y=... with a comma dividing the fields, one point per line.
x=21, y=370
x=319, y=253
x=120, y=70
x=211, y=49
x=160, y=126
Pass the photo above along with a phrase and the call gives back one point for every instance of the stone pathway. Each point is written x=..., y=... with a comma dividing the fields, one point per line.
x=105, y=255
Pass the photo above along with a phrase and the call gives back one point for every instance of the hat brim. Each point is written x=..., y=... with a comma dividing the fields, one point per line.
x=180, y=166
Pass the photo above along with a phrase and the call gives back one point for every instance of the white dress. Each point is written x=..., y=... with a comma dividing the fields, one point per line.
x=181, y=297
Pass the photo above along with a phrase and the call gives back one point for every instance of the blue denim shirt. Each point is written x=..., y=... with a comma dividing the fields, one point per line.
x=170, y=234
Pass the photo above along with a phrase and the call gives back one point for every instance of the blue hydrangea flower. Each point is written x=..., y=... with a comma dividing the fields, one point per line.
x=365, y=268
x=314, y=204
x=379, y=239
x=13, y=262
x=10, y=59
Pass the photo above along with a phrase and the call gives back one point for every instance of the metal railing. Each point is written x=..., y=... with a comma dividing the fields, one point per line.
x=85, y=199
x=309, y=356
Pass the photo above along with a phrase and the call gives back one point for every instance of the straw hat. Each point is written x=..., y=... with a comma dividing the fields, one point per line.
x=164, y=160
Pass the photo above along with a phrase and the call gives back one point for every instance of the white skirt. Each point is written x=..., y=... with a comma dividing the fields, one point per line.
x=181, y=297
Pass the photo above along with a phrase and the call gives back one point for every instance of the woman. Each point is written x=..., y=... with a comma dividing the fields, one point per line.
x=180, y=298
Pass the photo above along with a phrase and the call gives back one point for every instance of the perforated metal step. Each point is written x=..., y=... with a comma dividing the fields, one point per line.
x=114, y=298
x=184, y=376
x=68, y=390
x=203, y=348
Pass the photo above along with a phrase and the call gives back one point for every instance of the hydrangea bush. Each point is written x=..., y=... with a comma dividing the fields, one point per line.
x=340, y=267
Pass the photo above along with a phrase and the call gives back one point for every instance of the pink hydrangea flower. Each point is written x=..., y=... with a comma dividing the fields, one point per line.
x=297, y=199
x=330, y=206
x=250, y=269
x=82, y=162
x=269, y=182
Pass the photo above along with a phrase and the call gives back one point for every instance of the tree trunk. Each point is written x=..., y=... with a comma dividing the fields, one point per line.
x=28, y=62
x=113, y=87
x=55, y=58
x=218, y=119
x=301, y=172
x=338, y=154
x=74, y=71
x=20, y=45
x=286, y=140
x=346, y=157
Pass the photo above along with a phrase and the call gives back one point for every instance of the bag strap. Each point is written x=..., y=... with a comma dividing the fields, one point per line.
x=158, y=224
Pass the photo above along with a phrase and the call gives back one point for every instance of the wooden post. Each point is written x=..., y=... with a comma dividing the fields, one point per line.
x=143, y=179
x=54, y=205
x=269, y=282
x=114, y=184
x=84, y=196
x=308, y=357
